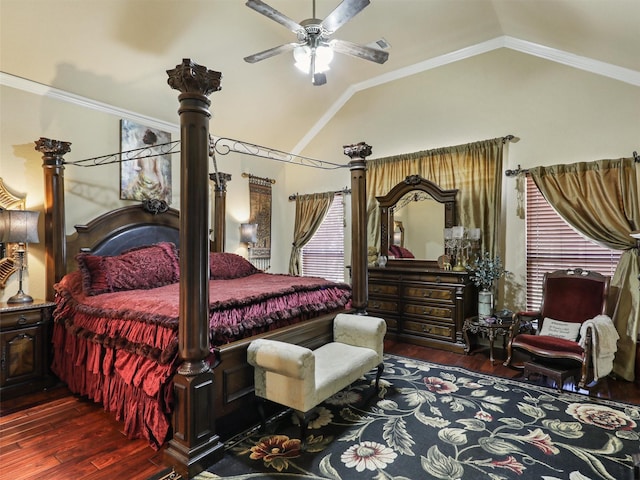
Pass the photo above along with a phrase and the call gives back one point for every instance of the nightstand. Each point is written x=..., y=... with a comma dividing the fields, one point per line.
x=24, y=347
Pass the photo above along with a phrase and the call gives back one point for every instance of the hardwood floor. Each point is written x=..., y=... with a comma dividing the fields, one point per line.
x=55, y=435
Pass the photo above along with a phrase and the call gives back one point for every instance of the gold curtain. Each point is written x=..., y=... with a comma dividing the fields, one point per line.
x=475, y=169
x=310, y=211
x=601, y=200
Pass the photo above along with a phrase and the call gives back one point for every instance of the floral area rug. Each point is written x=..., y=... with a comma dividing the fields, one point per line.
x=438, y=422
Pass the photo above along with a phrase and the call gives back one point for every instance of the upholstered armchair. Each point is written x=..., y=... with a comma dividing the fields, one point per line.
x=572, y=316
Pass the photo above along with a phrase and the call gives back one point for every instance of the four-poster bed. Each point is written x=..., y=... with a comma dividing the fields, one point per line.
x=208, y=384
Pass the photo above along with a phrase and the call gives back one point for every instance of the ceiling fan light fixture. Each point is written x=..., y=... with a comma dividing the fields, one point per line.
x=303, y=55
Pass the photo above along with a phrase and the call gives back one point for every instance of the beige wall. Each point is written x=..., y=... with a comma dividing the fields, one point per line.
x=92, y=191
x=560, y=114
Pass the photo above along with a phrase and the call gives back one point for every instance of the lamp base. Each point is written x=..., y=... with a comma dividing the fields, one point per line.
x=20, y=297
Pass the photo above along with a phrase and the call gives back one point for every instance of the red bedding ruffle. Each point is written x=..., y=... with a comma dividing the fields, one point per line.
x=121, y=348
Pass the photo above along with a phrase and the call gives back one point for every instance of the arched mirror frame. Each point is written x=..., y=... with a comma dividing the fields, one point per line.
x=410, y=184
x=7, y=262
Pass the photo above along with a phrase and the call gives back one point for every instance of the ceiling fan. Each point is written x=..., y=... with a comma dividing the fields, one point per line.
x=314, y=49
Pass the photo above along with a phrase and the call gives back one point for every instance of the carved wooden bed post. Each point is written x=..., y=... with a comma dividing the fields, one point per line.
x=358, y=166
x=195, y=444
x=220, y=201
x=54, y=217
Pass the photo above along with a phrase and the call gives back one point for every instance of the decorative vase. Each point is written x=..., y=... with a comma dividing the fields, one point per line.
x=485, y=304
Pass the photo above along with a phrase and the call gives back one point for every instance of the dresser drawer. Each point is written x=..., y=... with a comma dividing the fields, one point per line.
x=383, y=289
x=428, y=329
x=392, y=325
x=383, y=306
x=20, y=318
x=430, y=293
x=443, y=313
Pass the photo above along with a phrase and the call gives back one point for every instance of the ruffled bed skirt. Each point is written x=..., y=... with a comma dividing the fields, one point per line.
x=121, y=349
x=137, y=390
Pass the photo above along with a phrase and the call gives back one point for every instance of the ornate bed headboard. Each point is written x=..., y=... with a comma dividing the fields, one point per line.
x=122, y=229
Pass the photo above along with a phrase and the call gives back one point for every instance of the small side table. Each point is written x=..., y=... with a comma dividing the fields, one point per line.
x=24, y=347
x=492, y=330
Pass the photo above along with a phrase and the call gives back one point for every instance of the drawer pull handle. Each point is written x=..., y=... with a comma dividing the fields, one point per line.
x=376, y=305
x=22, y=320
x=427, y=293
x=426, y=329
x=426, y=311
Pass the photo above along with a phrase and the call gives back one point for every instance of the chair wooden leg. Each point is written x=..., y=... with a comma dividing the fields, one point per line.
x=584, y=374
x=507, y=362
x=303, y=418
x=378, y=375
x=261, y=412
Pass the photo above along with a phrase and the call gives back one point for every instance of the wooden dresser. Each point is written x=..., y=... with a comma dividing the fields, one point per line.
x=24, y=347
x=422, y=305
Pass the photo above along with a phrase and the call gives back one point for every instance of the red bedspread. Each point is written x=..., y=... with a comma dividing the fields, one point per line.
x=121, y=348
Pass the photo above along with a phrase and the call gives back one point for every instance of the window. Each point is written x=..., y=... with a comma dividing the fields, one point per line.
x=323, y=256
x=552, y=245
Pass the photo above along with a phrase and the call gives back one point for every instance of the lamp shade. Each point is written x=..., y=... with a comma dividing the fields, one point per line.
x=249, y=232
x=19, y=226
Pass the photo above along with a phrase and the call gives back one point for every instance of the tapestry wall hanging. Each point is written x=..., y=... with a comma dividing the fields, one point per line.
x=260, y=213
x=144, y=174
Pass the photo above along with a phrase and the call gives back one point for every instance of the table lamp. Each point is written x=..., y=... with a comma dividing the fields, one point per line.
x=249, y=233
x=21, y=227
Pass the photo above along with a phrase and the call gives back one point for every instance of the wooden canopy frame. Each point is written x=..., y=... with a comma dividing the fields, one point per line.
x=199, y=401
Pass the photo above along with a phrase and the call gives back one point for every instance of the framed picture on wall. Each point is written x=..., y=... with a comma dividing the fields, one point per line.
x=145, y=173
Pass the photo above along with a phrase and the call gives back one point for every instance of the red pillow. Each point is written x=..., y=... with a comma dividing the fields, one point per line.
x=400, y=252
x=138, y=268
x=224, y=266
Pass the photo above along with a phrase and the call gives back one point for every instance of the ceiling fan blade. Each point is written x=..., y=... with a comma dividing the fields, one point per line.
x=342, y=14
x=271, y=52
x=274, y=15
x=360, y=51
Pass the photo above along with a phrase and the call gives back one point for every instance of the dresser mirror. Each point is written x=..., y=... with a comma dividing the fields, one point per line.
x=420, y=210
x=7, y=263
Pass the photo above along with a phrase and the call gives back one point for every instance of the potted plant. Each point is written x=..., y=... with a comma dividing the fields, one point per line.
x=484, y=273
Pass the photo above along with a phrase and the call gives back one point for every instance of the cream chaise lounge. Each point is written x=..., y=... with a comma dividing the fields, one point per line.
x=300, y=378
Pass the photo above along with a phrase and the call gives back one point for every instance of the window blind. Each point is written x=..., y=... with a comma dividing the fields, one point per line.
x=553, y=245
x=323, y=256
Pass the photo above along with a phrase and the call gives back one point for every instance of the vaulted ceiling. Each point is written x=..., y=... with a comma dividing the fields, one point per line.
x=117, y=51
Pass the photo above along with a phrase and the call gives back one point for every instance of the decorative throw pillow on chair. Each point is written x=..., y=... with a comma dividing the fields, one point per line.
x=559, y=329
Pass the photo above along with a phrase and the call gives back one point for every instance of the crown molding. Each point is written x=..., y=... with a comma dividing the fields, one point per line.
x=597, y=67
x=587, y=64
x=19, y=83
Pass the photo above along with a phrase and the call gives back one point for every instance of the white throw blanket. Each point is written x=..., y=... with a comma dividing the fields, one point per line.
x=605, y=344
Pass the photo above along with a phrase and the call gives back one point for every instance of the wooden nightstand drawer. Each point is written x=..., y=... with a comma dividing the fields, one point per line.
x=24, y=347
x=20, y=318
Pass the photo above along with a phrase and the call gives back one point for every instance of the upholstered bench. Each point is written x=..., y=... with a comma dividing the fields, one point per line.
x=300, y=378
